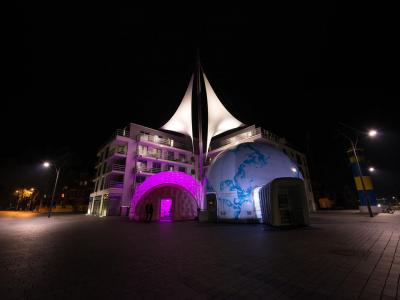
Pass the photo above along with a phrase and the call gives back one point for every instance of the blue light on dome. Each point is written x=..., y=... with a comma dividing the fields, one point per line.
x=236, y=172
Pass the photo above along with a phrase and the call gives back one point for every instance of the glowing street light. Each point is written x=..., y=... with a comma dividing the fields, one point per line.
x=46, y=164
x=371, y=169
x=372, y=133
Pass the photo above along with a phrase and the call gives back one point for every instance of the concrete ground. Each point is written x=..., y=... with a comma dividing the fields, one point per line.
x=342, y=255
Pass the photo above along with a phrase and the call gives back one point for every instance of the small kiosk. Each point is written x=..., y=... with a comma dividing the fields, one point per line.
x=283, y=202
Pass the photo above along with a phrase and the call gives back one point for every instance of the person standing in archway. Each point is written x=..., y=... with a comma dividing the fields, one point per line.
x=150, y=211
x=147, y=209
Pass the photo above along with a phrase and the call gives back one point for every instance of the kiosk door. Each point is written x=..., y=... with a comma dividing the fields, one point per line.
x=211, y=199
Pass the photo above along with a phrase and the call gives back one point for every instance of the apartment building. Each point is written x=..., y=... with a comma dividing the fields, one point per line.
x=132, y=155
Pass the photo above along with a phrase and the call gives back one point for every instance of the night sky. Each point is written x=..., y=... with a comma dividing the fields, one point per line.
x=73, y=75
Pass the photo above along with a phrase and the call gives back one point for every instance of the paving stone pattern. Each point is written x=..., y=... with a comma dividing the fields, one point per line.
x=342, y=255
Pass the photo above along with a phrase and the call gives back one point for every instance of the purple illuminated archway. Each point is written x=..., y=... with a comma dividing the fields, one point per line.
x=179, y=179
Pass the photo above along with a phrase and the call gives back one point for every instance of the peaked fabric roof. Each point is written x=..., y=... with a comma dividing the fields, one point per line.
x=219, y=118
x=181, y=121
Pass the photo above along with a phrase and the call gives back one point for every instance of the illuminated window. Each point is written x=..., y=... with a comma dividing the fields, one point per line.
x=157, y=153
x=142, y=150
x=141, y=165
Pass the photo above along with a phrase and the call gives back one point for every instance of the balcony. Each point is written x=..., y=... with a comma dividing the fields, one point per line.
x=122, y=132
x=161, y=141
x=120, y=151
x=149, y=170
x=152, y=155
x=114, y=185
x=118, y=168
x=179, y=160
x=243, y=136
x=116, y=154
x=165, y=157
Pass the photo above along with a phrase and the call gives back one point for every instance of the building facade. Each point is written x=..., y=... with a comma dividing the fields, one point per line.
x=136, y=153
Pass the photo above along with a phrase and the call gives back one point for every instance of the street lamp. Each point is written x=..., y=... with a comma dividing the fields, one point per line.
x=371, y=133
x=46, y=164
x=371, y=169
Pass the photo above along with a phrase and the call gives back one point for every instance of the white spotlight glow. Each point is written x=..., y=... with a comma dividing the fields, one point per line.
x=256, y=201
x=372, y=133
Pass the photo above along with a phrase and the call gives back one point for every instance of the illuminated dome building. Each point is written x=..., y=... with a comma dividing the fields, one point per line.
x=237, y=175
x=180, y=167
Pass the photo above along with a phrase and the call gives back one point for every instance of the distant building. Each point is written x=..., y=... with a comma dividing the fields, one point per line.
x=168, y=167
x=77, y=194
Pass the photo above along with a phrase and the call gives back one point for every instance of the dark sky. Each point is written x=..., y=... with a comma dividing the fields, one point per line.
x=75, y=74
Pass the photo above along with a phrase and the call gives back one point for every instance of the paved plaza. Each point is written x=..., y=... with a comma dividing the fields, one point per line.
x=342, y=255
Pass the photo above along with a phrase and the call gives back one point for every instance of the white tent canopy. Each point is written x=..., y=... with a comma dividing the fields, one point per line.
x=181, y=121
x=219, y=118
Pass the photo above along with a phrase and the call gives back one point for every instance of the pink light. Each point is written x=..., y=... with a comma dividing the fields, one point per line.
x=180, y=179
x=165, y=210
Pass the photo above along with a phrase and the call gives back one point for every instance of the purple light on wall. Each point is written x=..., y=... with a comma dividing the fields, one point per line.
x=179, y=179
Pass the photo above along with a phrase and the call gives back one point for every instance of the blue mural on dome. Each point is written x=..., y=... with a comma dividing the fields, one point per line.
x=236, y=172
x=256, y=159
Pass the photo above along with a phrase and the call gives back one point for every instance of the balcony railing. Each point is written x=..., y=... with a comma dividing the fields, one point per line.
x=245, y=135
x=148, y=170
x=114, y=184
x=122, y=132
x=120, y=151
x=149, y=154
x=182, y=160
x=116, y=151
x=164, y=157
x=161, y=141
x=116, y=167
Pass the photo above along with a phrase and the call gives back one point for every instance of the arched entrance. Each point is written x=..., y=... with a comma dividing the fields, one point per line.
x=172, y=194
x=170, y=203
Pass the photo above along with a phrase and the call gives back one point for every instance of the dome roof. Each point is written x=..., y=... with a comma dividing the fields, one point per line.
x=237, y=171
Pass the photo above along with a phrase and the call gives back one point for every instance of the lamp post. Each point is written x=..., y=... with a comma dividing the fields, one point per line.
x=371, y=133
x=48, y=165
x=362, y=179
